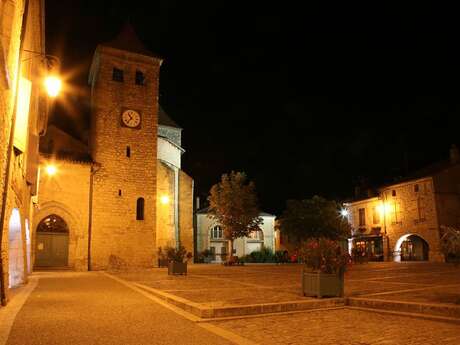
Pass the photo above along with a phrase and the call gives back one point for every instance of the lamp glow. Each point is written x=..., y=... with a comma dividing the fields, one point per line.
x=53, y=85
x=51, y=170
x=344, y=212
x=164, y=199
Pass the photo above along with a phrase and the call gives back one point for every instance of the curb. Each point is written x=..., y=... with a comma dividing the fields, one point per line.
x=252, y=309
x=426, y=309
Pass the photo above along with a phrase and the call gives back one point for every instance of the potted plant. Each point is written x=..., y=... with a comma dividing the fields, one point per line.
x=162, y=258
x=207, y=256
x=325, y=263
x=177, y=260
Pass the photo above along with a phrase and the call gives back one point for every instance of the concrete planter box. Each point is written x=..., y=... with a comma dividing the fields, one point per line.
x=320, y=284
x=177, y=268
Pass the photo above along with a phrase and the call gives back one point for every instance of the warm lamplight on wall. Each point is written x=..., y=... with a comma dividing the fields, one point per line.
x=51, y=169
x=385, y=208
x=165, y=199
x=53, y=85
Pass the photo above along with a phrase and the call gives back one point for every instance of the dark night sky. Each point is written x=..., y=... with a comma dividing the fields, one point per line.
x=304, y=98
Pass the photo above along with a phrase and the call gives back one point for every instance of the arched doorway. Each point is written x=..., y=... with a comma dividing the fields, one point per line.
x=52, y=245
x=15, y=252
x=411, y=247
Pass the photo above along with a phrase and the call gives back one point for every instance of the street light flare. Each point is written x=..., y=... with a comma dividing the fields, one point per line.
x=51, y=169
x=53, y=85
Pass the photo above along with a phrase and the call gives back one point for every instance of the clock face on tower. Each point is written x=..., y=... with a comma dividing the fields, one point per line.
x=131, y=118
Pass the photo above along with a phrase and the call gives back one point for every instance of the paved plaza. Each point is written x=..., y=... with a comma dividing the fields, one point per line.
x=343, y=326
x=217, y=285
x=101, y=308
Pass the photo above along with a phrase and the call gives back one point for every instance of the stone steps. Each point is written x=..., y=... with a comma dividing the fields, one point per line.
x=243, y=310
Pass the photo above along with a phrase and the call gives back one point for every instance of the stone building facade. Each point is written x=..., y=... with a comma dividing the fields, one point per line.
x=124, y=195
x=22, y=120
x=404, y=221
x=210, y=236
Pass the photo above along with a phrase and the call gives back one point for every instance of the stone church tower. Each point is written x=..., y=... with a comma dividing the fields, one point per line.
x=114, y=202
x=124, y=79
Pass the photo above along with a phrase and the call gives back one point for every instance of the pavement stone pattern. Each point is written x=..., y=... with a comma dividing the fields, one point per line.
x=343, y=326
x=217, y=285
x=91, y=309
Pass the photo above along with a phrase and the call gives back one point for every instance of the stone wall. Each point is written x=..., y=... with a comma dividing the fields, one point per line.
x=403, y=209
x=186, y=211
x=165, y=210
x=447, y=185
x=66, y=194
x=23, y=164
x=412, y=212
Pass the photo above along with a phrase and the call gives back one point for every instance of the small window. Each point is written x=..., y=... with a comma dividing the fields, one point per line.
x=393, y=192
x=119, y=192
x=416, y=188
x=140, y=78
x=128, y=151
x=140, y=209
x=117, y=74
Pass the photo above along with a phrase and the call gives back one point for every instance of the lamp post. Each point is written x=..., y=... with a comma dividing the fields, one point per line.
x=53, y=85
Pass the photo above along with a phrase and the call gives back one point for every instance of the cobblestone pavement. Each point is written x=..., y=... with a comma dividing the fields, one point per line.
x=217, y=285
x=90, y=308
x=343, y=326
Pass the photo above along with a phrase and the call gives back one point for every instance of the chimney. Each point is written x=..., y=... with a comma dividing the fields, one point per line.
x=454, y=154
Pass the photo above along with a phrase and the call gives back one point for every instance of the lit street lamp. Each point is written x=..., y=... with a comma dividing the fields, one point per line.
x=53, y=85
x=51, y=169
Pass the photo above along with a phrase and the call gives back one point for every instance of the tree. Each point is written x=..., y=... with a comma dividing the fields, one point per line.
x=233, y=204
x=450, y=243
x=314, y=218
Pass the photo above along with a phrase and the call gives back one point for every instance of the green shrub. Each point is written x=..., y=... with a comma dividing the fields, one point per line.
x=281, y=256
x=259, y=256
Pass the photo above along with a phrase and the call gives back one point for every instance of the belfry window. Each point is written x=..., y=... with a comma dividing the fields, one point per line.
x=140, y=78
x=140, y=209
x=117, y=74
x=128, y=151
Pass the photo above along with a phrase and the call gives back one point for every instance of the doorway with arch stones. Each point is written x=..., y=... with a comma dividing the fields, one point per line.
x=52, y=242
x=411, y=247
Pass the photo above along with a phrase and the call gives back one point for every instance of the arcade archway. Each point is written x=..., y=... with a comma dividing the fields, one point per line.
x=15, y=251
x=411, y=247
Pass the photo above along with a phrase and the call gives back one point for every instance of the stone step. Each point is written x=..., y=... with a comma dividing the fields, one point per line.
x=435, y=309
x=242, y=310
